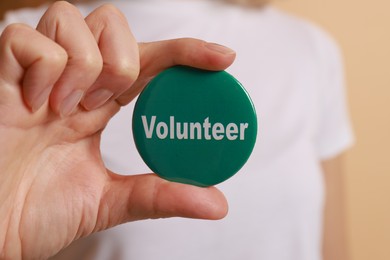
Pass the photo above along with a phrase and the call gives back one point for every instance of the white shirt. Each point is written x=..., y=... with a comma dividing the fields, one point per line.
x=293, y=72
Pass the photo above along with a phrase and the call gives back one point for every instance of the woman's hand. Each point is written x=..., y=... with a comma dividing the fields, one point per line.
x=59, y=86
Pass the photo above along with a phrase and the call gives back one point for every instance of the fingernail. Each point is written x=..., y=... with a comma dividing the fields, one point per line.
x=70, y=103
x=40, y=99
x=219, y=48
x=97, y=98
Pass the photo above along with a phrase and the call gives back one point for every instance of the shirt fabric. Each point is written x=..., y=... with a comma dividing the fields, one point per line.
x=293, y=72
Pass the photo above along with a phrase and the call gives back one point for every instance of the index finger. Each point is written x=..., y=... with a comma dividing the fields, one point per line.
x=158, y=56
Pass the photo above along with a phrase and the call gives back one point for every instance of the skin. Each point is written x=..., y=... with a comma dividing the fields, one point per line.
x=54, y=187
x=335, y=244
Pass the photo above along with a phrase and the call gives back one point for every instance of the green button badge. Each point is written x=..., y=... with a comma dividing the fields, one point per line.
x=194, y=126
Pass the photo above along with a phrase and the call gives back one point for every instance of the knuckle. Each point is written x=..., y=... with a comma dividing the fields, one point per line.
x=56, y=56
x=186, y=46
x=61, y=6
x=184, y=50
x=88, y=61
x=51, y=53
x=108, y=11
x=13, y=30
x=125, y=70
x=58, y=11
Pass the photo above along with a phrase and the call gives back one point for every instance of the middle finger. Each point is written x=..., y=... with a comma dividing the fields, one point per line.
x=64, y=24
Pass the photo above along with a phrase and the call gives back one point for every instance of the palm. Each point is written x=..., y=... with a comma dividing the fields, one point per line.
x=66, y=176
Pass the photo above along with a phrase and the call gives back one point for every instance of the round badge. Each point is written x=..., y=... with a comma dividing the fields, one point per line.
x=194, y=126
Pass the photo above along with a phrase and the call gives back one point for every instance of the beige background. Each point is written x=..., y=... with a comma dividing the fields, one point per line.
x=362, y=29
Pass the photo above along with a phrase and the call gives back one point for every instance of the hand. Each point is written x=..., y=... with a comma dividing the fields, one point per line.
x=59, y=87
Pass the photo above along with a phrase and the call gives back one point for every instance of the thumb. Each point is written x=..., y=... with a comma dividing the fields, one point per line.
x=130, y=198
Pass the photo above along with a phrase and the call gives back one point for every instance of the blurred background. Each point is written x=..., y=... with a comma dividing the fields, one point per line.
x=362, y=29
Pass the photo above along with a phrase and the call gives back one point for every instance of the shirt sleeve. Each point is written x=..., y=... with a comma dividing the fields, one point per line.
x=334, y=126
